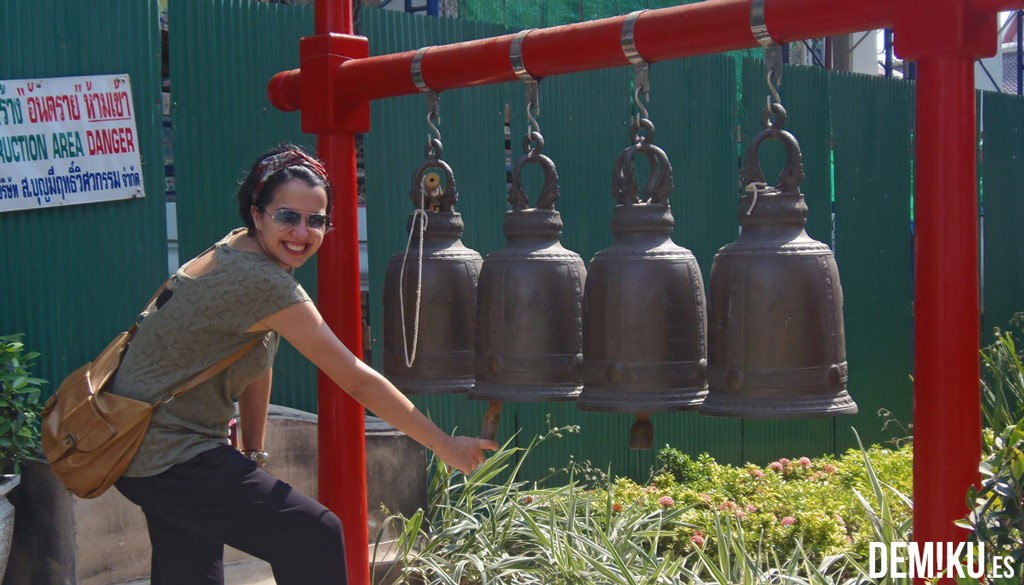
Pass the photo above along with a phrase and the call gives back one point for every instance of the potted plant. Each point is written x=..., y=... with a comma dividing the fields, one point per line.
x=19, y=427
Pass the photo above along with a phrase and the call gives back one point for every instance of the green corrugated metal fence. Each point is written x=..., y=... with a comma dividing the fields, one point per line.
x=541, y=13
x=73, y=277
x=1003, y=241
x=872, y=118
x=223, y=53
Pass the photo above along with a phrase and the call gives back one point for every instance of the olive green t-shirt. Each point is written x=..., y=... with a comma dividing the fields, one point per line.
x=204, y=321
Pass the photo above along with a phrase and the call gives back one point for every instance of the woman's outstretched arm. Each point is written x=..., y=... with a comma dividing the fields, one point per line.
x=303, y=326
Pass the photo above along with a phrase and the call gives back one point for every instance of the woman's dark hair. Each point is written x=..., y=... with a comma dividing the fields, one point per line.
x=269, y=188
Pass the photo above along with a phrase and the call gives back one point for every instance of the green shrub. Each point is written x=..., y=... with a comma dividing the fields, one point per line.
x=998, y=506
x=997, y=516
x=19, y=404
x=1002, y=382
x=785, y=522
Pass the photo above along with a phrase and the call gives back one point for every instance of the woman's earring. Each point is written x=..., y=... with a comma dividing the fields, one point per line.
x=257, y=217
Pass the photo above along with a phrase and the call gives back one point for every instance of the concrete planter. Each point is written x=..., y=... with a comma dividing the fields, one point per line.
x=7, y=483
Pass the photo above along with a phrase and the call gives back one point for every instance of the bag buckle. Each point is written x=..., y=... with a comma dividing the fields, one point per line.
x=167, y=398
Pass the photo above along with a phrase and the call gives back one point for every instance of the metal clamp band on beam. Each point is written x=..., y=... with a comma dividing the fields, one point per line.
x=641, y=68
x=757, y=23
x=417, y=70
x=628, y=38
x=516, y=56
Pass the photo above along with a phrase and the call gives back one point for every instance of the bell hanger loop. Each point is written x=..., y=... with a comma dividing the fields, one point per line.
x=641, y=69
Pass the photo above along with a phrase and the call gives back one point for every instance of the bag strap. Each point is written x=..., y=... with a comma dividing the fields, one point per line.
x=156, y=295
x=206, y=374
x=159, y=291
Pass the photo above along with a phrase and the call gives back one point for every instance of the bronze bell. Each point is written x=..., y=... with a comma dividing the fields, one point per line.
x=644, y=322
x=440, y=315
x=776, y=347
x=529, y=319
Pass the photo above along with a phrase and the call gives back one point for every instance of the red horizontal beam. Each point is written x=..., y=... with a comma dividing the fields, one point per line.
x=706, y=27
x=668, y=33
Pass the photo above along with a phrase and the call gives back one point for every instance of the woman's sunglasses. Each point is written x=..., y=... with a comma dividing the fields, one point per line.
x=289, y=218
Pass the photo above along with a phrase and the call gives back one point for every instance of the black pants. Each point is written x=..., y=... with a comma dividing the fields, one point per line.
x=220, y=497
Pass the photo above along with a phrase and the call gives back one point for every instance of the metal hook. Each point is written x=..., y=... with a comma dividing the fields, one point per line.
x=771, y=87
x=773, y=64
x=772, y=50
x=642, y=113
x=531, y=82
x=433, y=119
x=534, y=125
x=433, y=99
x=641, y=69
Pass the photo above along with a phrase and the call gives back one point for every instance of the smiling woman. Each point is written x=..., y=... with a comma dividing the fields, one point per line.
x=281, y=232
x=197, y=492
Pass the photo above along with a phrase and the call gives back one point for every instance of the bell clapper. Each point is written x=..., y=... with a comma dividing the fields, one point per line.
x=641, y=434
x=492, y=417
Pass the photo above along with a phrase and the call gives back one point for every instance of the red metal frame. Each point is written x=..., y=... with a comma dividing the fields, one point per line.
x=337, y=81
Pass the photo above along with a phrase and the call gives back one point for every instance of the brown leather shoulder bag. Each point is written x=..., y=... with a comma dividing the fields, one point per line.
x=90, y=435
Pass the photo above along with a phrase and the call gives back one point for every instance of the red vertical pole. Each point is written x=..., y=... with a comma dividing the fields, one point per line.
x=341, y=425
x=947, y=412
x=944, y=37
x=341, y=428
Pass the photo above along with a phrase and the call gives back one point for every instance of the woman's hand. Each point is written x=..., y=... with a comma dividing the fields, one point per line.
x=303, y=326
x=465, y=453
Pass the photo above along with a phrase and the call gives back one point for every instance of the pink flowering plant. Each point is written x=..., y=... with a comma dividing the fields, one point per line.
x=789, y=503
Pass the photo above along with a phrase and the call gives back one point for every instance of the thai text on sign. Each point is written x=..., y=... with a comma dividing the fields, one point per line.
x=67, y=141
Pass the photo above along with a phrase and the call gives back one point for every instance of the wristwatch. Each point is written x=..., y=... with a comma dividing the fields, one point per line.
x=260, y=456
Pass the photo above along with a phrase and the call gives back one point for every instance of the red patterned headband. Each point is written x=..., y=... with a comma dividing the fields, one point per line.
x=289, y=158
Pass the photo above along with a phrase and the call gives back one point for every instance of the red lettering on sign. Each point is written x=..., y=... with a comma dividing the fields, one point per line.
x=110, y=141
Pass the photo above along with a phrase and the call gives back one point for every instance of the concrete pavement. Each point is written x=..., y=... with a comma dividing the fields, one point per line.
x=251, y=571
x=248, y=572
